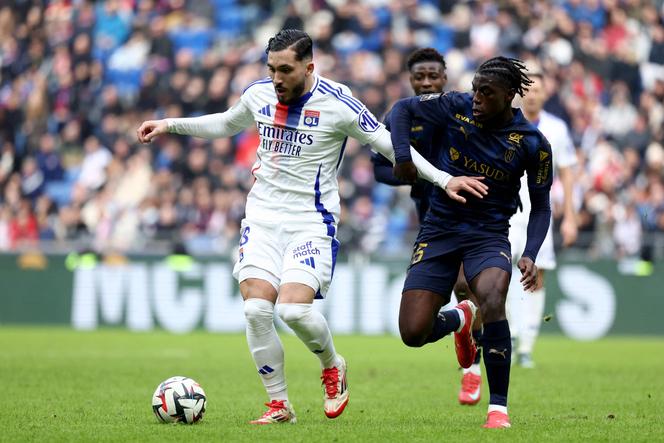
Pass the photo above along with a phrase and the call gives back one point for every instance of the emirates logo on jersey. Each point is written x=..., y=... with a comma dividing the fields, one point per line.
x=311, y=118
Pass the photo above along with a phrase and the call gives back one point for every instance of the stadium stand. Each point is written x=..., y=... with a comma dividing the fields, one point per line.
x=77, y=76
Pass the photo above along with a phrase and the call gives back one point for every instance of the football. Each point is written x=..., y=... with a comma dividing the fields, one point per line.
x=179, y=400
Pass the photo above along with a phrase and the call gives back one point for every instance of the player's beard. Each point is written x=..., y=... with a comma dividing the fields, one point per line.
x=297, y=92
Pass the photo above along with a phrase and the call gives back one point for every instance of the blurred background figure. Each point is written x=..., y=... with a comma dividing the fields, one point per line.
x=526, y=309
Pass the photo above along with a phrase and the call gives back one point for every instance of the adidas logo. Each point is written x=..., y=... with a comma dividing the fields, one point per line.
x=265, y=370
x=265, y=110
x=309, y=261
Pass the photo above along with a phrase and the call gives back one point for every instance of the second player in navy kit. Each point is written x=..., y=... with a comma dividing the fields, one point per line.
x=426, y=67
x=482, y=135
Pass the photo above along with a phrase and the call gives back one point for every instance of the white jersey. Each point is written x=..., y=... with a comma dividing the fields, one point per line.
x=301, y=148
x=564, y=155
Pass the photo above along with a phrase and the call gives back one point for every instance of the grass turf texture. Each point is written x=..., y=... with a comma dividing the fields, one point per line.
x=61, y=385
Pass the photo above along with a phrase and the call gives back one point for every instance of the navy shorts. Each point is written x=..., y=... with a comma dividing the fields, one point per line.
x=435, y=262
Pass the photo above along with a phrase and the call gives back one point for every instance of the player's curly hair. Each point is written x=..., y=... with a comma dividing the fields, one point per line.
x=299, y=41
x=425, y=55
x=511, y=70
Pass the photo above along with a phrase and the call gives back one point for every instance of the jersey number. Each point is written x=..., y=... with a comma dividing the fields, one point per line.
x=244, y=237
x=418, y=253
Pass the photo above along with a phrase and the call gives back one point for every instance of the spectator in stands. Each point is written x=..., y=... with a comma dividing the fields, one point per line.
x=76, y=76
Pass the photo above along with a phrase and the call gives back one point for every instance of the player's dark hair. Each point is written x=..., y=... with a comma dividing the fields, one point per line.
x=298, y=41
x=511, y=70
x=425, y=55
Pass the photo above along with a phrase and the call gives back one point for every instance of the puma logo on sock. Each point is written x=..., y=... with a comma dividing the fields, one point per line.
x=496, y=351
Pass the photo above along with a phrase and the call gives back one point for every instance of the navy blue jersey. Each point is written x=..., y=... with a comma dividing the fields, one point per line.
x=500, y=155
x=425, y=141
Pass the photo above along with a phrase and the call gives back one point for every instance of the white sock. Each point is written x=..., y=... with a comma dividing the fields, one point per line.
x=533, y=310
x=462, y=319
x=498, y=408
x=311, y=327
x=265, y=346
x=474, y=368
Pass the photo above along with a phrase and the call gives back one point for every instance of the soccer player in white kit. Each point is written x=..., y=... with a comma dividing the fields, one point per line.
x=525, y=310
x=288, y=244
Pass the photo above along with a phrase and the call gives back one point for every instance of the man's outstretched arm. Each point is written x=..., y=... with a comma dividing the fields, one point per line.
x=208, y=126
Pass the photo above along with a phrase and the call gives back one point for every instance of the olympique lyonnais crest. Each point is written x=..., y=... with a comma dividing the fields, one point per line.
x=311, y=118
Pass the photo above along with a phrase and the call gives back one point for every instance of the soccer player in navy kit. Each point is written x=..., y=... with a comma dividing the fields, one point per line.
x=427, y=76
x=483, y=135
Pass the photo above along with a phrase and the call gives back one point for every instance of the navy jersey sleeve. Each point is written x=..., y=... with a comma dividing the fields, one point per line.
x=383, y=170
x=540, y=173
x=431, y=108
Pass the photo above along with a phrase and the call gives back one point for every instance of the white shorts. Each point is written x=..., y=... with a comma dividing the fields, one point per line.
x=288, y=253
x=546, y=257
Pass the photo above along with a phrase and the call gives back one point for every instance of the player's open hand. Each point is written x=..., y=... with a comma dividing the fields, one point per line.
x=406, y=172
x=150, y=129
x=472, y=185
x=568, y=230
x=528, y=274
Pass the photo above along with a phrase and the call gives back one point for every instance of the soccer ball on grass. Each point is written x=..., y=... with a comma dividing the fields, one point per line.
x=179, y=400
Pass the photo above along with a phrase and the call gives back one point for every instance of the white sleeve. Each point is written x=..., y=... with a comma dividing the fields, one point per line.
x=224, y=124
x=382, y=144
x=362, y=125
x=564, y=152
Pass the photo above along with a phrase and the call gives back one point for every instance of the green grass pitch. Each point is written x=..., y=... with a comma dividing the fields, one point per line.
x=61, y=385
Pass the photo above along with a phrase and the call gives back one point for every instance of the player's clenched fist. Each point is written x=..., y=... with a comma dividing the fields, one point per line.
x=150, y=129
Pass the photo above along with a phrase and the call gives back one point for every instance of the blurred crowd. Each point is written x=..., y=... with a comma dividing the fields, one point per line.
x=77, y=77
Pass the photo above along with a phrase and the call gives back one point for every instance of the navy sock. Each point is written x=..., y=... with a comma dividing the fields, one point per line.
x=445, y=323
x=497, y=347
x=477, y=335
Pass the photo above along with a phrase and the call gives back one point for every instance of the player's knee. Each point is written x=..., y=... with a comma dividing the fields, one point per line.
x=412, y=340
x=293, y=313
x=412, y=337
x=258, y=311
x=493, y=306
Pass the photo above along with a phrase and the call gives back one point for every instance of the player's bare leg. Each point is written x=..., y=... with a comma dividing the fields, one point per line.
x=471, y=381
x=490, y=287
x=266, y=349
x=422, y=322
x=296, y=310
x=418, y=321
